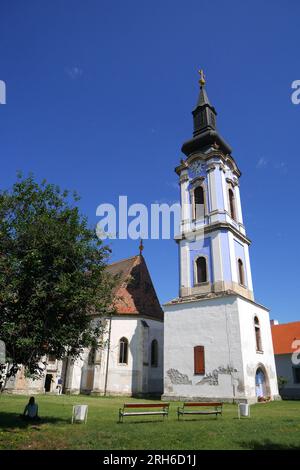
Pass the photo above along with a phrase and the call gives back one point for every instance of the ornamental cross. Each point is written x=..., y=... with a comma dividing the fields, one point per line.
x=202, y=77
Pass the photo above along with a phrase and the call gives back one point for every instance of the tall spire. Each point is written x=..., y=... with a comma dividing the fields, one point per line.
x=205, y=133
x=203, y=98
x=204, y=113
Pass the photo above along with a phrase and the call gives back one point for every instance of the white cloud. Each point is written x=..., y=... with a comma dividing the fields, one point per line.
x=74, y=72
x=281, y=166
x=262, y=162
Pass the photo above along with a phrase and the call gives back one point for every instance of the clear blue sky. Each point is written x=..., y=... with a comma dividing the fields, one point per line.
x=99, y=95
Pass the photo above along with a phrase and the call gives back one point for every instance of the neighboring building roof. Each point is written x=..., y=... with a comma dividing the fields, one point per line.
x=134, y=292
x=284, y=336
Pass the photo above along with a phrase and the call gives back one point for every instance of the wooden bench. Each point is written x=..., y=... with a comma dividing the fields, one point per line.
x=201, y=408
x=161, y=409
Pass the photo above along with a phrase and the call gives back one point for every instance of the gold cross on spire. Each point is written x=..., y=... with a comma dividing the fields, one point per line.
x=202, y=77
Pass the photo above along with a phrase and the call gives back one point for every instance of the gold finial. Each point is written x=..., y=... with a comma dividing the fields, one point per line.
x=141, y=247
x=202, y=77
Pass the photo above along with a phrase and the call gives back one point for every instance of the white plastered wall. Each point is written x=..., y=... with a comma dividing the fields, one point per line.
x=223, y=326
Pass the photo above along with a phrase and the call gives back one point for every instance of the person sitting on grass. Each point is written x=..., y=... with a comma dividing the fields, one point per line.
x=31, y=411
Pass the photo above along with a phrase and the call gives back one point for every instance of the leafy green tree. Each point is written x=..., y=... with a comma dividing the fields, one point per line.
x=52, y=276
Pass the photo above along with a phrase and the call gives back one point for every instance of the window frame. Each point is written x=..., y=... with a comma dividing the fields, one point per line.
x=241, y=274
x=199, y=349
x=232, y=203
x=196, y=280
x=197, y=187
x=123, y=341
x=257, y=333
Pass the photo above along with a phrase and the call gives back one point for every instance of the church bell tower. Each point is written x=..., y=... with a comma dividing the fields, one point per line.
x=218, y=342
x=214, y=248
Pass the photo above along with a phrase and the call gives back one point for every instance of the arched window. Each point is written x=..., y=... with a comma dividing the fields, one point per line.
x=241, y=272
x=91, y=356
x=232, y=204
x=201, y=270
x=123, y=351
x=257, y=334
x=154, y=353
x=198, y=202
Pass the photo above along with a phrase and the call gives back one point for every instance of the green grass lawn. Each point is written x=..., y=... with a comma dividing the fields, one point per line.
x=271, y=426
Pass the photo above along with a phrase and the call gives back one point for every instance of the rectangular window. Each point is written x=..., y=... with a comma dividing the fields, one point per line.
x=199, y=364
x=296, y=371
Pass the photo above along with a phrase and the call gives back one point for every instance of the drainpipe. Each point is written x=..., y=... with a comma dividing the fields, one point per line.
x=107, y=358
x=66, y=378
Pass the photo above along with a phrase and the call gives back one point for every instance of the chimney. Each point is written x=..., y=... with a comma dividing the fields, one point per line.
x=274, y=322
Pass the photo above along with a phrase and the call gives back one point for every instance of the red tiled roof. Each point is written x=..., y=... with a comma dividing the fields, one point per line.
x=284, y=336
x=121, y=269
x=134, y=292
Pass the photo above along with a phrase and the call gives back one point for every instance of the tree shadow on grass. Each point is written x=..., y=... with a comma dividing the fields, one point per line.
x=10, y=421
x=267, y=444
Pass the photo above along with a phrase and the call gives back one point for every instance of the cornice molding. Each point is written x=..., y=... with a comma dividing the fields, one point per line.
x=185, y=300
x=226, y=159
x=232, y=181
x=212, y=228
x=211, y=167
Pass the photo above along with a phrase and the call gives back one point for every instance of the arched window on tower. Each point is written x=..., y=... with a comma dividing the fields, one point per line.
x=257, y=334
x=154, y=353
x=232, y=204
x=198, y=202
x=123, y=351
x=241, y=272
x=201, y=270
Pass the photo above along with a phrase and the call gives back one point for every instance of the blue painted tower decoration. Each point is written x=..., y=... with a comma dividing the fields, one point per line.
x=214, y=248
x=217, y=338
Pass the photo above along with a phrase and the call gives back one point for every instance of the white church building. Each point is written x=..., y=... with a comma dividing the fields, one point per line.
x=217, y=338
x=130, y=362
